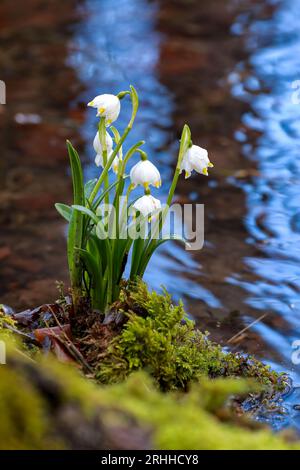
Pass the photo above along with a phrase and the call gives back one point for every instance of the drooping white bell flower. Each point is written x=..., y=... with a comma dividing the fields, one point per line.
x=107, y=106
x=97, y=144
x=99, y=151
x=115, y=163
x=195, y=158
x=144, y=173
x=147, y=204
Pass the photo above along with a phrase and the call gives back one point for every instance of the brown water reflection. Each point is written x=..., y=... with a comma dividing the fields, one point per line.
x=197, y=56
x=35, y=123
x=180, y=54
x=197, y=53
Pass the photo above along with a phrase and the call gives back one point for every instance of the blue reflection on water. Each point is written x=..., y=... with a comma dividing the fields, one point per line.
x=267, y=82
x=115, y=46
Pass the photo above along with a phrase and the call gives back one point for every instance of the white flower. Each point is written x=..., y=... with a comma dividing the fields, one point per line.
x=145, y=173
x=99, y=151
x=147, y=204
x=108, y=106
x=115, y=163
x=97, y=144
x=196, y=158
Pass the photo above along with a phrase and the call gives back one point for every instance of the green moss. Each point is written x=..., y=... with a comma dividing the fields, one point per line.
x=46, y=405
x=160, y=339
x=6, y=320
x=184, y=421
x=24, y=422
x=162, y=377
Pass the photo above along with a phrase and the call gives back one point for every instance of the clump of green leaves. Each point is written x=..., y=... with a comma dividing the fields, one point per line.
x=104, y=225
x=159, y=338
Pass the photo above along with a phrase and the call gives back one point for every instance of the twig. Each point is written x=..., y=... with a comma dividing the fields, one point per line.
x=25, y=336
x=247, y=328
x=25, y=355
x=70, y=345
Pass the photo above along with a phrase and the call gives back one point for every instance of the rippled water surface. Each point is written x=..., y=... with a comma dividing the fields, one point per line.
x=229, y=69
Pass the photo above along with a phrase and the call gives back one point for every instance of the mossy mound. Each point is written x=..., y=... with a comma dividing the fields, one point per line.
x=24, y=423
x=161, y=384
x=194, y=420
x=45, y=405
x=160, y=339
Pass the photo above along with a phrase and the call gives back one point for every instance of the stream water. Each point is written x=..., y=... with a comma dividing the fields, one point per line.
x=230, y=70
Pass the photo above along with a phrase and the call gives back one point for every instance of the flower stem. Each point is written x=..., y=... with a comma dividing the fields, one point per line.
x=108, y=165
x=135, y=104
x=150, y=245
x=102, y=137
x=184, y=145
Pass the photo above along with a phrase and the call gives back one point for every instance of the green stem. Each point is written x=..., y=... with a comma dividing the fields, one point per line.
x=124, y=207
x=107, y=167
x=134, y=99
x=184, y=145
x=120, y=186
x=102, y=137
x=129, y=154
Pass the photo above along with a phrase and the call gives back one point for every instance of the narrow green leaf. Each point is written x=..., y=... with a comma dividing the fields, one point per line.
x=77, y=175
x=103, y=235
x=86, y=211
x=102, y=195
x=135, y=104
x=138, y=248
x=64, y=210
x=89, y=186
x=95, y=277
x=117, y=137
x=75, y=233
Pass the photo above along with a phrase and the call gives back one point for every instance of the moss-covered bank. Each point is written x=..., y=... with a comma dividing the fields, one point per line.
x=158, y=337
x=156, y=382
x=46, y=405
